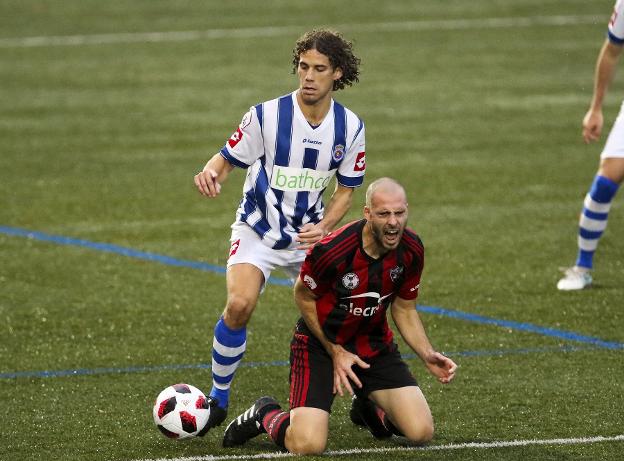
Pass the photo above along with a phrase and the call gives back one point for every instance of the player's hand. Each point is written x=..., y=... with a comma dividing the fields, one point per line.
x=309, y=234
x=343, y=369
x=592, y=125
x=441, y=367
x=206, y=182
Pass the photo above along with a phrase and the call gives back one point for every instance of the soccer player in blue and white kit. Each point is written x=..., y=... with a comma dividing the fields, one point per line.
x=597, y=204
x=292, y=147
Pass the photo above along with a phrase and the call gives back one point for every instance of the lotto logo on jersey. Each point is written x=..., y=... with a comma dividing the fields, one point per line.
x=299, y=179
x=360, y=162
x=235, y=138
x=234, y=247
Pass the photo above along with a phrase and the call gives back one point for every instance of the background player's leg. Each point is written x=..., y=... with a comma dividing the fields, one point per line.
x=244, y=282
x=593, y=220
x=407, y=409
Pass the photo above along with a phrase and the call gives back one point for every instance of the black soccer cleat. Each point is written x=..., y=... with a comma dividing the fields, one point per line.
x=354, y=414
x=216, y=417
x=249, y=424
x=364, y=412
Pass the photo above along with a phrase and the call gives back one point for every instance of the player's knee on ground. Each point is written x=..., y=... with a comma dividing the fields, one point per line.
x=238, y=311
x=419, y=432
x=305, y=441
x=306, y=446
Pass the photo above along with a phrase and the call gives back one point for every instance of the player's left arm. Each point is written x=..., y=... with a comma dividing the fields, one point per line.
x=338, y=205
x=410, y=326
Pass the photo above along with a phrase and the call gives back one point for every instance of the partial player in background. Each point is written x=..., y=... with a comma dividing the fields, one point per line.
x=292, y=147
x=593, y=220
x=347, y=283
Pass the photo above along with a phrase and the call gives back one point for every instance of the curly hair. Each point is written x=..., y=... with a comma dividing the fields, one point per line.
x=336, y=48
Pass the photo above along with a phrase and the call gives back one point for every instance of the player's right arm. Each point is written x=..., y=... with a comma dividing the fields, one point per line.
x=209, y=180
x=243, y=148
x=342, y=359
x=605, y=70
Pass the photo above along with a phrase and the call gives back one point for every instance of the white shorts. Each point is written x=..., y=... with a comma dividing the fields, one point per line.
x=247, y=247
x=614, y=147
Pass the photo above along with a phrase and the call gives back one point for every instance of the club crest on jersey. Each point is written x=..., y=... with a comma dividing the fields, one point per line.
x=309, y=281
x=395, y=273
x=338, y=153
x=350, y=281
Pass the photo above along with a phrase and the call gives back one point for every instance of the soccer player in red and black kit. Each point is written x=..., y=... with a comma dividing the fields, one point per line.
x=347, y=283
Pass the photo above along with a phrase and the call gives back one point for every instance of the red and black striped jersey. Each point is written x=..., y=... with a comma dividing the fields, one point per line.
x=354, y=290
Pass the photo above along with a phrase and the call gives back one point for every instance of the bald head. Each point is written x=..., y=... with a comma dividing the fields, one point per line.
x=385, y=186
x=386, y=216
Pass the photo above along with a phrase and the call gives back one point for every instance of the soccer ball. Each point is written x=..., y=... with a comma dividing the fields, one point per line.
x=181, y=411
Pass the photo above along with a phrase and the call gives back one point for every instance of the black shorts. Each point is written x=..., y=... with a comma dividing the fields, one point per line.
x=312, y=374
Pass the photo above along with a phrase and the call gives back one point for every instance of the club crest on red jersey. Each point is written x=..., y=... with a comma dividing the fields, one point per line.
x=350, y=281
x=395, y=273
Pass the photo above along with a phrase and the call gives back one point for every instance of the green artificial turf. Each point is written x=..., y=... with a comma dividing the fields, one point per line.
x=475, y=106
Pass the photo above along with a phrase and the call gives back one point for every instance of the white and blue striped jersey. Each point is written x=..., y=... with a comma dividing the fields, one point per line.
x=616, y=24
x=290, y=163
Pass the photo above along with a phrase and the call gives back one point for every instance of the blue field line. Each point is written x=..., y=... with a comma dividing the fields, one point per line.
x=121, y=370
x=528, y=327
x=552, y=332
x=124, y=251
x=274, y=363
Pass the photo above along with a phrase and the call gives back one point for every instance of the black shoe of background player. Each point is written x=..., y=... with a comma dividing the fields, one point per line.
x=216, y=417
x=249, y=424
x=364, y=412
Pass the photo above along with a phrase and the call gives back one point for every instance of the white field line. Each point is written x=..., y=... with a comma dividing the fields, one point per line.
x=451, y=446
x=256, y=32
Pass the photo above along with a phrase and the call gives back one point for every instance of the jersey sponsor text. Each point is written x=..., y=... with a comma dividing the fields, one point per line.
x=300, y=179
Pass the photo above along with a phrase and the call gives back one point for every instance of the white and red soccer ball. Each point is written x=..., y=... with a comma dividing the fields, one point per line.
x=181, y=411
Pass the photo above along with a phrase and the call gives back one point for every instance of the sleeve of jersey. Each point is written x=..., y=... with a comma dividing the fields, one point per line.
x=616, y=24
x=351, y=170
x=411, y=284
x=245, y=146
x=317, y=281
